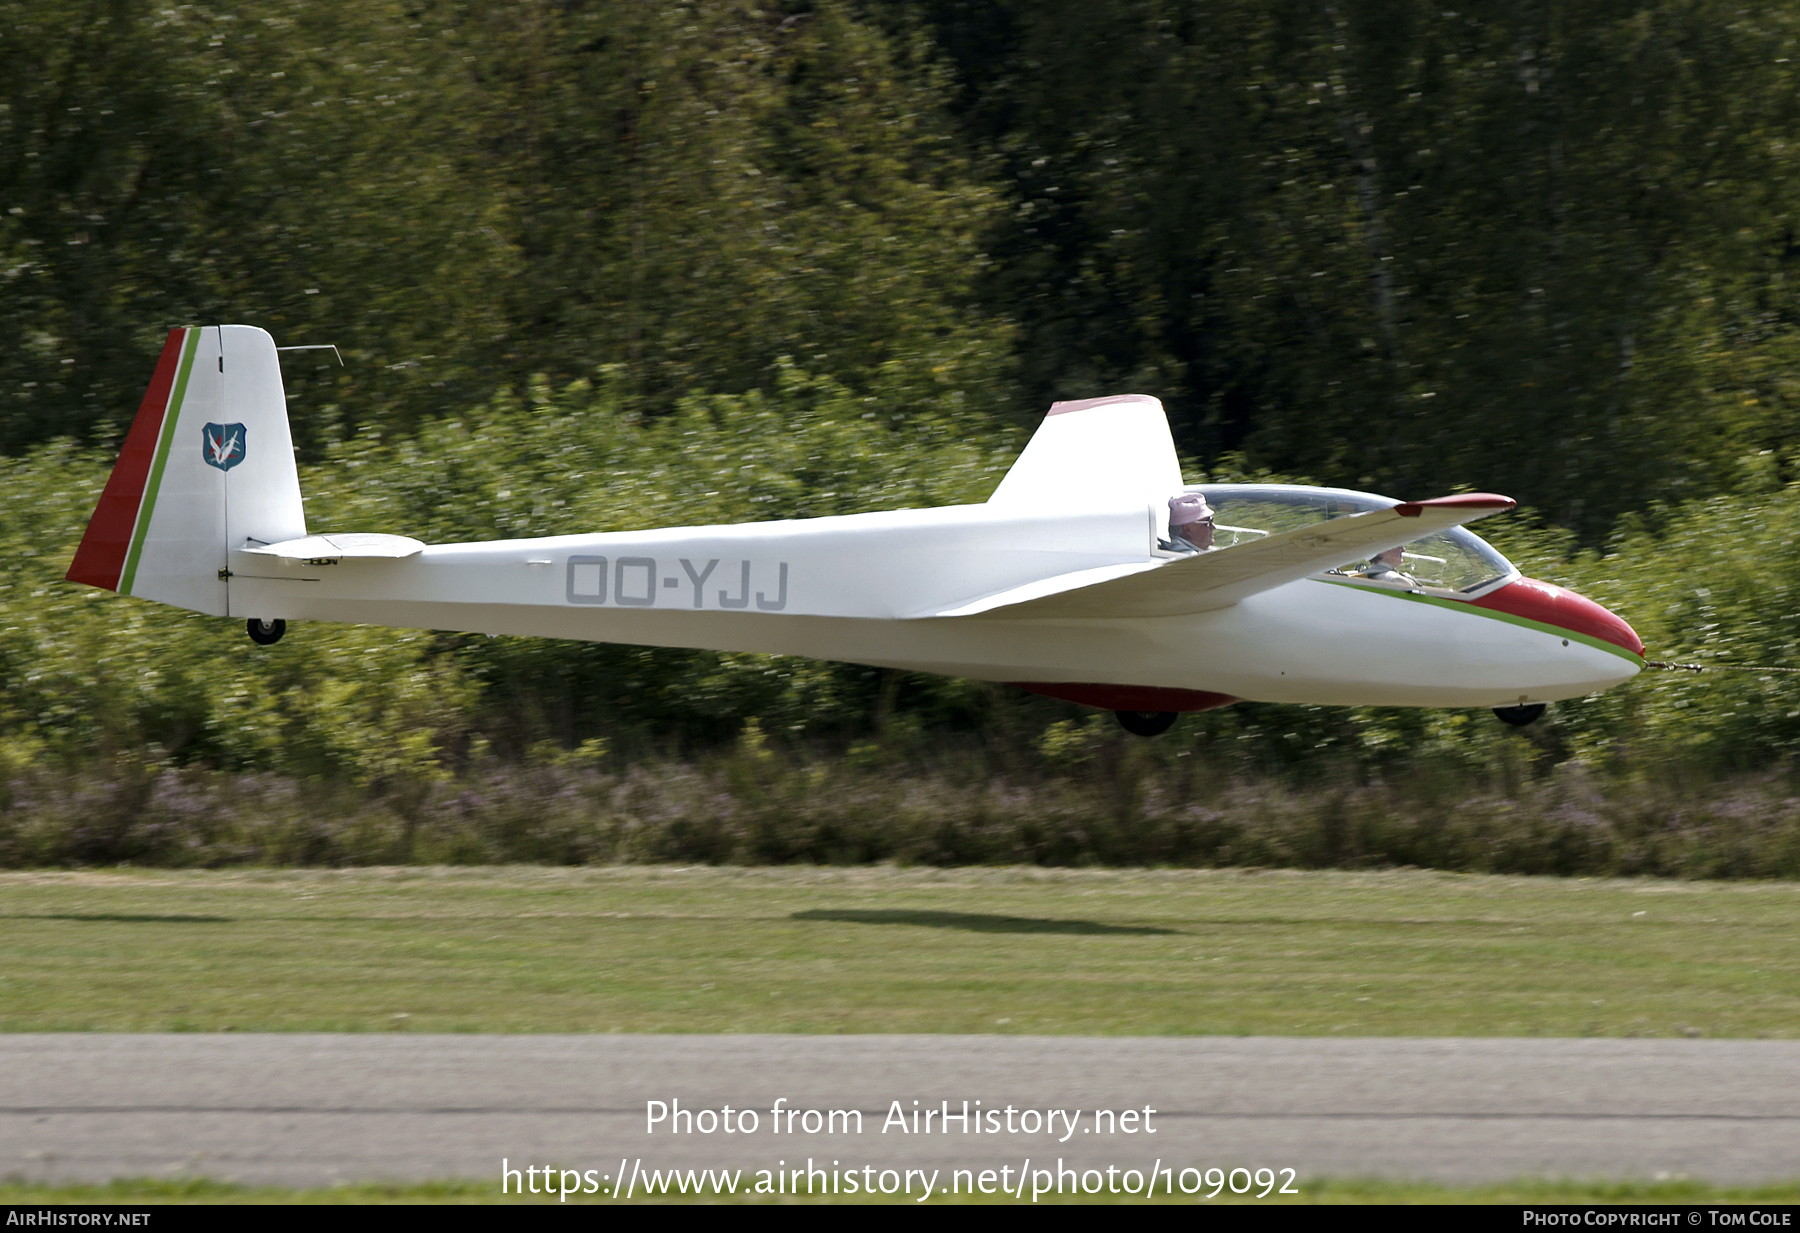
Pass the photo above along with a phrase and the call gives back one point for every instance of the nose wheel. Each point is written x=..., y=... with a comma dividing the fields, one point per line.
x=1519, y=716
x=1146, y=723
x=266, y=633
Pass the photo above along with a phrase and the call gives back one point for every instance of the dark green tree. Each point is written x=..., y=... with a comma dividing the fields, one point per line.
x=462, y=196
x=698, y=189
x=282, y=164
x=1389, y=244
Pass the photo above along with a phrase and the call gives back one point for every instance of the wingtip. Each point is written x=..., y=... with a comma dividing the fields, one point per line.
x=1110, y=400
x=1462, y=500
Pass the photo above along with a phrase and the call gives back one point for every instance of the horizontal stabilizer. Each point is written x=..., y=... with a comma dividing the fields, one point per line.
x=358, y=546
x=1217, y=579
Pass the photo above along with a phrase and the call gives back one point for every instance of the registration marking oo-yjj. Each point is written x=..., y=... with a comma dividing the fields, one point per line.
x=636, y=582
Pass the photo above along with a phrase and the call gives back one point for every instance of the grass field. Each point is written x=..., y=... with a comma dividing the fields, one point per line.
x=662, y=949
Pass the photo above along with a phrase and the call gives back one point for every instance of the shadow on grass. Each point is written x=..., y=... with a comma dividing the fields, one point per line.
x=975, y=922
x=125, y=918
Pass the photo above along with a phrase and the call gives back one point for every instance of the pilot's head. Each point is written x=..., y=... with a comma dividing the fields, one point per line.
x=1388, y=561
x=1191, y=519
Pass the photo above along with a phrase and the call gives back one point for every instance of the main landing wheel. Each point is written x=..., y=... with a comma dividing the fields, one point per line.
x=1519, y=716
x=1146, y=723
x=268, y=633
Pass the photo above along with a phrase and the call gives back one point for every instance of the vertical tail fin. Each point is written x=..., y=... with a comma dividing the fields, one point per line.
x=207, y=467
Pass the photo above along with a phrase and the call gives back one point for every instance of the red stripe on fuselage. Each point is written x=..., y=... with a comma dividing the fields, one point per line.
x=1129, y=697
x=101, y=557
x=1552, y=605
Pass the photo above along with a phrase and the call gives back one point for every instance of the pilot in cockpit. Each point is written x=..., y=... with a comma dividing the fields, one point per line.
x=1388, y=567
x=1190, y=522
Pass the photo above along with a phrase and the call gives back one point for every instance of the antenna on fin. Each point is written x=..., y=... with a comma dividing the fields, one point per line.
x=331, y=347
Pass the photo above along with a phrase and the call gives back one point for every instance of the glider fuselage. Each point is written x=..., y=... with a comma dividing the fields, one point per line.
x=866, y=589
x=1072, y=579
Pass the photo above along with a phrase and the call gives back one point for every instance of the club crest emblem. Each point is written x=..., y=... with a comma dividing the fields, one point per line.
x=224, y=445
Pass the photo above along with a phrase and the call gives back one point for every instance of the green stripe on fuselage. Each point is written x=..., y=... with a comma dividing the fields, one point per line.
x=171, y=415
x=1463, y=605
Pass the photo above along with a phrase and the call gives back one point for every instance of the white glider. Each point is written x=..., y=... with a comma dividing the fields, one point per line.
x=1069, y=581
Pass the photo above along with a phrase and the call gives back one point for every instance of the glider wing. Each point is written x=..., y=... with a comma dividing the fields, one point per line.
x=1218, y=579
x=1100, y=451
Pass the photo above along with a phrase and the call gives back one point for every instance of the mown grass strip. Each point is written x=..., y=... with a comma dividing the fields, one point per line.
x=1027, y=951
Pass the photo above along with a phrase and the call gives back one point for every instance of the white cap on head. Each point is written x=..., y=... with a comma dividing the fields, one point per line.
x=1187, y=508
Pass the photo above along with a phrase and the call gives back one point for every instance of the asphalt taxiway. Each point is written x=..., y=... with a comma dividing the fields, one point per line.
x=312, y=1110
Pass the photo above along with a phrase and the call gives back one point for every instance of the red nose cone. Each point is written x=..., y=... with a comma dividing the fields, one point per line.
x=1552, y=605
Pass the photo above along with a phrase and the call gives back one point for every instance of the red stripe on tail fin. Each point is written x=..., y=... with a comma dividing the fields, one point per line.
x=101, y=557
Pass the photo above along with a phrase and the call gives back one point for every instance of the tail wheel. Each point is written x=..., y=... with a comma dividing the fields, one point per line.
x=268, y=633
x=1146, y=723
x=1519, y=716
